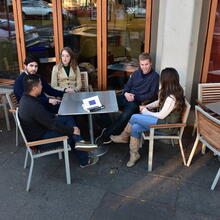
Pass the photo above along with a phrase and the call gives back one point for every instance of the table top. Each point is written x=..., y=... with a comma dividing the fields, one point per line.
x=215, y=107
x=4, y=90
x=72, y=103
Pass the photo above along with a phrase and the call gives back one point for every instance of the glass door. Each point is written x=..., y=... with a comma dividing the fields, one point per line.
x=214, y=62
x=9, y=67
x=80, y=34
x=126, y=21
x=39, y=34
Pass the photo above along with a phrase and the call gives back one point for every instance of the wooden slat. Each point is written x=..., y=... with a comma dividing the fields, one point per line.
x=178, y=125
x=209, y=130
x=46, y=141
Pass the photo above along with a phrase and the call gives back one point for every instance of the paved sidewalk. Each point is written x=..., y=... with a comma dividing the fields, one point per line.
x=109, y=190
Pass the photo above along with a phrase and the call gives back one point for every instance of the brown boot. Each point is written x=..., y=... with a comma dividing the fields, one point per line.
x=134, y=155
x=124, y=136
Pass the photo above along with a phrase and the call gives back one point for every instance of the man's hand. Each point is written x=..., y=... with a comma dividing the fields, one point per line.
x=129, y=96
x=76, y=131
x=69, y=90
x=54, y=101
x=142, y=107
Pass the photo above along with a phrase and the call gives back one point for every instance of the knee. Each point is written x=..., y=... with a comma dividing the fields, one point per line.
x=133, y=118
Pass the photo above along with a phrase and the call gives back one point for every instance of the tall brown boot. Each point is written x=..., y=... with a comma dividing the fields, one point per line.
x=134, y=155
x=124, y=136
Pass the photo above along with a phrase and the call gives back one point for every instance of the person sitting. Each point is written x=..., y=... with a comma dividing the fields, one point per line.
x=142, y=86
x=66, y=75
x=39, y=124
x=171, y=103
x=31, y=65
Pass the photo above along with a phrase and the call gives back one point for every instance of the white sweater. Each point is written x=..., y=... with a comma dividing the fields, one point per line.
x=167, y=108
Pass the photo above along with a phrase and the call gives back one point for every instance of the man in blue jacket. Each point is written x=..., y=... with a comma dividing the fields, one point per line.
x=142, y=86
x=31, y=64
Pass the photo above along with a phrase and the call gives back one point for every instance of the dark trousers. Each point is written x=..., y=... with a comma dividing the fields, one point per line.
x=70, y=122
x=129, y=108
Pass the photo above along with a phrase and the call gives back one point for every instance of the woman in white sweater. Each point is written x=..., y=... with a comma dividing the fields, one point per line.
x=66, y=75
x=170, y=103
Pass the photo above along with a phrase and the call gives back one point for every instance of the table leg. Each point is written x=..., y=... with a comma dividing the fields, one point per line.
x=101, y=150
x=91, y=129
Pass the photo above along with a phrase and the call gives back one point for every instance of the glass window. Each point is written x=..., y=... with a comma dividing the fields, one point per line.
x=126, y=34
x=80, y=33
x=8, y=49
x=39, y=35
x=214, y=63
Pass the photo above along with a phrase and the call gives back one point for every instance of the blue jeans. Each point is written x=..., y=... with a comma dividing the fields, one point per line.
x=70, y=122
x=140, y=123
x=129, y=108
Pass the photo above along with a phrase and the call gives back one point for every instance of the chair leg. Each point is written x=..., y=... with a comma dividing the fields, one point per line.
x=67, y=164
x=182, y=151
x=30, y=174
x=6, y=113
x=16, y=133
x=193, y=151
x=172, y=142
x=215, y=180
x=203, y=148
x=26, y=159
x=141, y=142
x=60, y=155
x=194, y=129
x=151, y=150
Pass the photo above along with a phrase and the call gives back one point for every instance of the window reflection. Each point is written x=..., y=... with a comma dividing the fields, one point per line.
x=80, y=33
x=214, y=63
x=8, y=48
x=126, y=32
x=38, y=18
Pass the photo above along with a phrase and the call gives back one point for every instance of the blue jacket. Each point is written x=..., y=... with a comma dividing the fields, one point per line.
x=46, y=89
x=144, y=86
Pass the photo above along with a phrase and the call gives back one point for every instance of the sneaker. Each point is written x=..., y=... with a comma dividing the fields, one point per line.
x=92, y=161
x=101, y=139
x=85, y=146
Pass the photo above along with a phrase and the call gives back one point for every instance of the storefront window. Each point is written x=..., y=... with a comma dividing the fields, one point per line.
x=80, y=34
x=38, y=31
x=8, y=50
x=214, y=63
x=126, y=32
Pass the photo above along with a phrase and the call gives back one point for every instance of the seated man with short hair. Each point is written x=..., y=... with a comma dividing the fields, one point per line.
x=142, y=86
x=31, y=65
x=39, y=124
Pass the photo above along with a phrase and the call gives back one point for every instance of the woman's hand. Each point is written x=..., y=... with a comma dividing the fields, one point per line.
x=69, y=90
x=142, y=107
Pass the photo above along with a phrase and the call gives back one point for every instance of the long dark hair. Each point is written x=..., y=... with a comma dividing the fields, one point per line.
x=73, y=62
x=170, y=85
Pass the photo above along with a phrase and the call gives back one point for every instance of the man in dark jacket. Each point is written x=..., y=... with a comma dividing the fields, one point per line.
x=39, y=124
x=142, y=86
x=31, y=67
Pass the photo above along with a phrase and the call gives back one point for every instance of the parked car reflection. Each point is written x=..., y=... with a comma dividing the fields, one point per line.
x=32, y=8
x=7, y=30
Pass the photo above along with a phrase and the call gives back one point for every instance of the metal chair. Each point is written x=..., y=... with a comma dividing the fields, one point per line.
x=208, y=129
x=13, y=104
x=152, y=135
x=31, y=149
x=86, y=87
